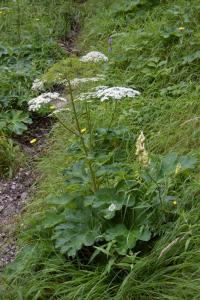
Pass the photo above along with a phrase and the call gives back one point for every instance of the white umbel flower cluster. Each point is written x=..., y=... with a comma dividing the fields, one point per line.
x=38, y=85
x=105, y=93
x=77, y=81
x=94, y=56
x=36, y=103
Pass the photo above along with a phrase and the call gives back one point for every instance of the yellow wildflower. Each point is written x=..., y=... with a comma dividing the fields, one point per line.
x=33, y=141
x=52, y=107
x=174, y=202
x=83, y=130
x=181, y=28
x=141, y=152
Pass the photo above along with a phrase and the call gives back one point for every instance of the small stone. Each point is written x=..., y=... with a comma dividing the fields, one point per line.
x=24, y=196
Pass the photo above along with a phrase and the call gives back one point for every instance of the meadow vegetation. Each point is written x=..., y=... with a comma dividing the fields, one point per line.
x=30, y=35
x=116, y=214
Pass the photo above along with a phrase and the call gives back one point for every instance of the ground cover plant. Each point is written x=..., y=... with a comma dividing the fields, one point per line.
x=116, y=215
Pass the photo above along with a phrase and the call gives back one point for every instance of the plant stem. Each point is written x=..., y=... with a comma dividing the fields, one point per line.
x=93, y=177
x=89, y=124
x=63, y=124
x=112, y=117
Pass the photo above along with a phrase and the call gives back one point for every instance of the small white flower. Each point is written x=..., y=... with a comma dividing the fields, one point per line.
x=112, y=207
x=94, y=56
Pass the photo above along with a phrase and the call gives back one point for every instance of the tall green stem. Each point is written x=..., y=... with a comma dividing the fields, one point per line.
x=93, y=177
x=89, y=123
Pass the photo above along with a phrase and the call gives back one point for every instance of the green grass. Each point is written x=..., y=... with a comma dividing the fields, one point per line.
x=11, y=156
x=152, y=54
x=28, y=46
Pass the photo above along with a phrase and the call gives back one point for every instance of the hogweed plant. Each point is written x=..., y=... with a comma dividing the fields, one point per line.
x=111, y=207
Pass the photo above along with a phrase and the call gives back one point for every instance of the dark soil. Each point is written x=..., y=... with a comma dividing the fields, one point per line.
x=39, y=128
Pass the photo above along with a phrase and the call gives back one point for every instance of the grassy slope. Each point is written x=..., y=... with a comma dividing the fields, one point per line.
x=153, y=55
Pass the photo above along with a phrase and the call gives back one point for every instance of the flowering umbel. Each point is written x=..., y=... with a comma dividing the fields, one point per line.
x=141, y=152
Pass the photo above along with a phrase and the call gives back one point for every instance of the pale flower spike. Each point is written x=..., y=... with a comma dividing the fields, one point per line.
x=178, y=168
x=141, y=152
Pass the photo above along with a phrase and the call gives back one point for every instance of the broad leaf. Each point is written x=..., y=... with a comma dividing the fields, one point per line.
x=51, y=219
x=108, y=201
x=125, y=239
x=60, y=200
x=144, y=234
x=15, y=121
x=79, y=230
x=77, y=173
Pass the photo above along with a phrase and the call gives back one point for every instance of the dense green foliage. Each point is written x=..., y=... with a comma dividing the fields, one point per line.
x=104, y=225
x=24, y=54
x=30, y=33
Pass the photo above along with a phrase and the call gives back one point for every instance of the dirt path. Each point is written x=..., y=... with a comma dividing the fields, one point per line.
x=16, y=192
x=13, y=197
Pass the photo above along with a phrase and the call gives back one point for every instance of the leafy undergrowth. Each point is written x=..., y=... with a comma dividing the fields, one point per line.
x=117, y=216
x=30, y=36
